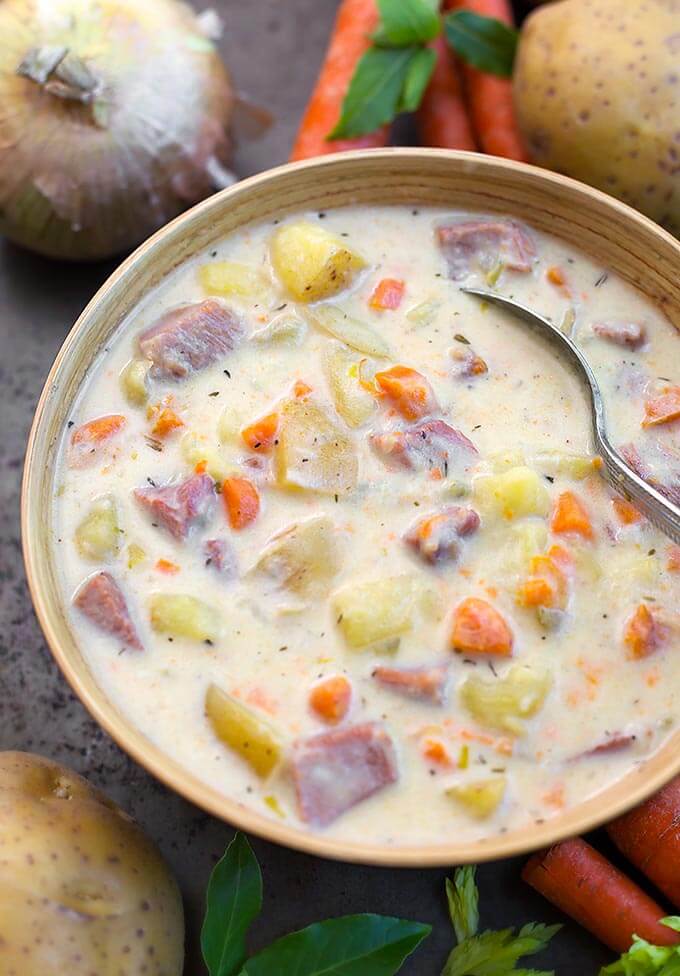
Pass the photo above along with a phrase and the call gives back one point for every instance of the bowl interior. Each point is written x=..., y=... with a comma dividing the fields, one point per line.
x=618, y=237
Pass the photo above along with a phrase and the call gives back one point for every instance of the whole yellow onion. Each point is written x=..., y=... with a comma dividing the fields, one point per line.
x=114, y=118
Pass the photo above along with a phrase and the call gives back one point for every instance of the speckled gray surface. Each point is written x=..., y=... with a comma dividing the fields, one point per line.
x=273, y=49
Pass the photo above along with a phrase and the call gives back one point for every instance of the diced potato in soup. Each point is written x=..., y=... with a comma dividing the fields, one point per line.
x=372, y=581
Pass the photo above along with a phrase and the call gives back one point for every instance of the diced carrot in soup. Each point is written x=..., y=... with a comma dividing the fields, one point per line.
x=387, y=294
x=166, y=421
x=643, y=634
x=330, y=699
x=663, y=408
x=478, y=628
x=627, y=514
x=261, y=434
x=571, y=515
x=89, y=438
x=242, y=501
x=408, y=390
x=555, y=276
x=301, y=389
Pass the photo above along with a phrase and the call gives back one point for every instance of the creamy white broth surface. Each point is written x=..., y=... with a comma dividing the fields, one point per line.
x=601, y=674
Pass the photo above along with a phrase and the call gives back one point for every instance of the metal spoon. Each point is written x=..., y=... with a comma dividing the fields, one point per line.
x=658, y=509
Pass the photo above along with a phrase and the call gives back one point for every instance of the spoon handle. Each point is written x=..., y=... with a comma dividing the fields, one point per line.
x=660, y=511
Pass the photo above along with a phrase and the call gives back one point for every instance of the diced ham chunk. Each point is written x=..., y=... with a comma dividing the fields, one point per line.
x=101, y=600
x=178, y=507
x=423, y=684
x=334, y=771
x=436, y=538
x=615, y=743
x=471, y=244
x=190, y=338
x=89, y=440
x=632, y=335
x=220, y=556
x=433, y=444
x=663, y=407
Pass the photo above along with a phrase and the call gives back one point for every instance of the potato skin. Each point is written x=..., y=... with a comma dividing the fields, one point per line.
x=597, y=90
x=82, y=890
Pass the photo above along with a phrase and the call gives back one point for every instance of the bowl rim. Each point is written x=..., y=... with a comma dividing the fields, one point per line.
x=160, y=764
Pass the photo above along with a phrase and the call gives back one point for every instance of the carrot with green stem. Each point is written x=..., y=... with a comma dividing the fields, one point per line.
x=442, y=118
x=489, y=96
x=355, y=22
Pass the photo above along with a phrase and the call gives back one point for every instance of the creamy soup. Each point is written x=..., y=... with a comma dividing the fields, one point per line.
x=333, y=535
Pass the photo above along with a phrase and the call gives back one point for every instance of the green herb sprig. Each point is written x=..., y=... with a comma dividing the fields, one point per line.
x=393, y=74
x=490, y=953
x=353, y=945
x=644, y=959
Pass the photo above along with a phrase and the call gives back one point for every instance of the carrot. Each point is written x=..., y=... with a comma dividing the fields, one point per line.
x=387, y=294
x=165, y=566
x=583, y=884
x=442, y=118
x=241, y=500
x=436, y=751
x=489, y=97
x=643, y=634
x=663, y=408
x=649, y=837
x=570, y=515
x=330, y=699
x=555, y=276
x=166, y=420
x=626, y=513
x=673, y=563
x=87, y=439
x=478, y=628
x=355, y=21
x=261, y=434
x=547, y=584
x=301, y=389
x=409, y=391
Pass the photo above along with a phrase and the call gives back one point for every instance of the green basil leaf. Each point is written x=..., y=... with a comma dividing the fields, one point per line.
x=484, y=42
x=354, y=945
x=373, y=95
x=463, y=898
x=419, y=73
x=234, y=901
x=406, y=22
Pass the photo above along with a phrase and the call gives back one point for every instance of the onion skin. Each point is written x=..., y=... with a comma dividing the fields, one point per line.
x=86, y=175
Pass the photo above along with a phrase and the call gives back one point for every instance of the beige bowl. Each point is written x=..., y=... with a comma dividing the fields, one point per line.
x=618, y=237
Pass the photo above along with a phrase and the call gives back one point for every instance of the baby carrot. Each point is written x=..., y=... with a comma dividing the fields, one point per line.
x=583, y=884
x=649, y=837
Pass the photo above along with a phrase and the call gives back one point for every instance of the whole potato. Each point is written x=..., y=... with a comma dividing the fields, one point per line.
x=83, y=892
x=597, y=93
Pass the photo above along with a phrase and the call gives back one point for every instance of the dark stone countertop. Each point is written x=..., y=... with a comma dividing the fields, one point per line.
x=273, y=50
